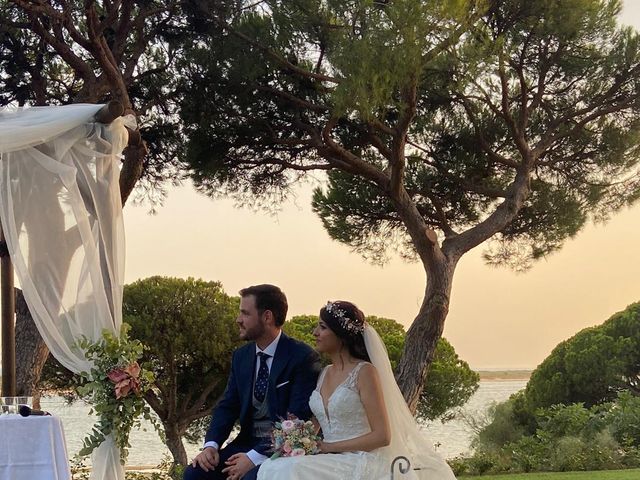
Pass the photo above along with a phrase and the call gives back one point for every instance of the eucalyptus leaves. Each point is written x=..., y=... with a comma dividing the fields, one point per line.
x=114, y=388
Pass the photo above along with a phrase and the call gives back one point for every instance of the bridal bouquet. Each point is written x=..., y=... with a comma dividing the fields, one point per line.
x=293, y=438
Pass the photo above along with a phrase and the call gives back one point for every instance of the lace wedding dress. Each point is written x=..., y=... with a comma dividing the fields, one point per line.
x=343, y=419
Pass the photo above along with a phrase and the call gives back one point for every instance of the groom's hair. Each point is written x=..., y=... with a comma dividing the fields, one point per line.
x=269, y=297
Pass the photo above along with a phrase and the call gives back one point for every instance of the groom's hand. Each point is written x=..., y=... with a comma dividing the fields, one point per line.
x=237, y=466
x=207, y=459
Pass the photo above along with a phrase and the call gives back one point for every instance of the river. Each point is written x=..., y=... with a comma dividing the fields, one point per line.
x=452, y=438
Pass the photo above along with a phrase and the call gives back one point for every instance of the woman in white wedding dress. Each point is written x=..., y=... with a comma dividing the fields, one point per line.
x=358, y=406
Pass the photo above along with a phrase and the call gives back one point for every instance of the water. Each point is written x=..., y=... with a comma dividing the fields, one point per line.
x=453, y=438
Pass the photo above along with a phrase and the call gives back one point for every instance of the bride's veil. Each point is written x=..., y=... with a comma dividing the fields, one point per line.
x=406, y=438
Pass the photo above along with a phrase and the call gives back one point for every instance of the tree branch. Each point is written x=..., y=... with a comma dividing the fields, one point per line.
x=442, y=217
x=297, y=101
x=61, y=48
x=197, y=405
x=349, y=161
x=398, y=160
x=486, y=147
x=273, y=55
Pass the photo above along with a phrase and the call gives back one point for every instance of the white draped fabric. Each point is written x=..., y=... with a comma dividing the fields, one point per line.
x=61, y=214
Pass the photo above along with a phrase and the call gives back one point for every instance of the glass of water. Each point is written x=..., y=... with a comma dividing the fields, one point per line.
x=23, y=401
x=9, y=405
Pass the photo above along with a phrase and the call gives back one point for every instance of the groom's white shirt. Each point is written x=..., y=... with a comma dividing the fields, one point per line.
x=255, y=457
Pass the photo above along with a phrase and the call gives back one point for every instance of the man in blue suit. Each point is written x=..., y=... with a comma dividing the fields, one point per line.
x=271, y=376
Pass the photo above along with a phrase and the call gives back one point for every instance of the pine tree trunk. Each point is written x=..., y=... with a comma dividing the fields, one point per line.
x=174, y=443
x=31, y=352
x=423, y=335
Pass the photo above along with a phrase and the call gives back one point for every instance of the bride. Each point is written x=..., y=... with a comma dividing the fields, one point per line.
x=358, y=406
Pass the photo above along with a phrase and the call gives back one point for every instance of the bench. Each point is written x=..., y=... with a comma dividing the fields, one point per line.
x=404, y=465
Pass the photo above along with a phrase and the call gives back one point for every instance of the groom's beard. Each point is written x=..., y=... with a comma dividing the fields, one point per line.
x=252, y=333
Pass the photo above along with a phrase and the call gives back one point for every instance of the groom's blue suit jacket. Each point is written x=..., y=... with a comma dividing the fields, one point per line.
x=292, y=378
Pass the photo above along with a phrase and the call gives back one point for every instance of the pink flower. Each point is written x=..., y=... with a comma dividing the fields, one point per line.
x=126, y=380
x=117, y=375
x=286, y=448
x=288, y=425
x=123, y=388
x=298, y=452
x=133, y=370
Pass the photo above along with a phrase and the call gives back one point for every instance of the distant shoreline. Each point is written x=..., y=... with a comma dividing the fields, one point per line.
x=497, y=375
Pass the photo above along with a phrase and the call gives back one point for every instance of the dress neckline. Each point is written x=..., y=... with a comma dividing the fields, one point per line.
x=325, y=405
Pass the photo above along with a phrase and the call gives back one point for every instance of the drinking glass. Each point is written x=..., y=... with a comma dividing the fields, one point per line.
x=28, y=401
x=9, y=405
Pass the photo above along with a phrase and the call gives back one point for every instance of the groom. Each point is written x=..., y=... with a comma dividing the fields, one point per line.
x=270, y=377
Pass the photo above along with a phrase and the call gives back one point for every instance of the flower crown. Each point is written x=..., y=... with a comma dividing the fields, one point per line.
x=349, y=324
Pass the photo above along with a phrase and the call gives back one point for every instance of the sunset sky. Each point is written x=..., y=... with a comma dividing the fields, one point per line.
x=497, y=319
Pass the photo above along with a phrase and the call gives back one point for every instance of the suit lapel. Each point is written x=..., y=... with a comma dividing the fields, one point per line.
x=280, y=360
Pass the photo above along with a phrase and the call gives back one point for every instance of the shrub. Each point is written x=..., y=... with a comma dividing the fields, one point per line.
x=503, y=428
x=623, y=417
x=568, y=438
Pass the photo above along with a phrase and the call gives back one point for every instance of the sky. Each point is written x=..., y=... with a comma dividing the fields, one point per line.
x=497, y=318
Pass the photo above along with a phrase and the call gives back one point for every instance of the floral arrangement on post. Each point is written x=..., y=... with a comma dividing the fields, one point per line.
x=293, y=438
x=114, y=388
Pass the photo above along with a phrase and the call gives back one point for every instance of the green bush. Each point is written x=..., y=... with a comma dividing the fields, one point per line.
x=567, y=438
x=459, y=465
x=564, y=420
x=569, y=455
x=592, y=366
x=624, y=419
x=482, y=463
x=631, y=457
x=528, y=454
x=604, y=452
x=503, y=428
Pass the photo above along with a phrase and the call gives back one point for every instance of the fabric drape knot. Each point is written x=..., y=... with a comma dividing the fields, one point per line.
x=262, y=380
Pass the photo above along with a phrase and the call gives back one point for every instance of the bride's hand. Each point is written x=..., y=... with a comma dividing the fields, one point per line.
x=325, y=447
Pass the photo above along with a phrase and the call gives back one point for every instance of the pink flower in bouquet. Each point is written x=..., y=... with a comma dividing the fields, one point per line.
x=125, y=379
x=288, y=425
x=117, y=375
x=286, y=448
x=293, y=438
x=133, y=370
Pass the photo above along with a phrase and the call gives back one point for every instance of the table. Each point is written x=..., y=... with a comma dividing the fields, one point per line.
x=32, y=448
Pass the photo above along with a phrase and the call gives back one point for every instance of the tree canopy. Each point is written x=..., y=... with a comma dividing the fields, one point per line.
x=441, y=125
x=55, y=53
x=591, y=367
x=188, y=327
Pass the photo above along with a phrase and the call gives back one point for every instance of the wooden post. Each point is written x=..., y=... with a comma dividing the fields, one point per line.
x=7, y=314
x=109, y=112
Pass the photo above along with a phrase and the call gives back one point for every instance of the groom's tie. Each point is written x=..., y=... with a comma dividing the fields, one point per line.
x=262, y=380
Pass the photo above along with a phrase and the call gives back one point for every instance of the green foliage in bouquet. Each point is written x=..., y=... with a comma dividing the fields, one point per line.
x=114, y=388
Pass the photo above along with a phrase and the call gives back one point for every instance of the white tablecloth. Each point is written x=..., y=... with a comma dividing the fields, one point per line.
x=32, y=448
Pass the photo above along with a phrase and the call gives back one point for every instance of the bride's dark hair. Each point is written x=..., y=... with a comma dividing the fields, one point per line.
x=347, y=322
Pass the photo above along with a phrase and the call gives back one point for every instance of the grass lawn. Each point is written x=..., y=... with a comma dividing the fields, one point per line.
x=601, y=475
